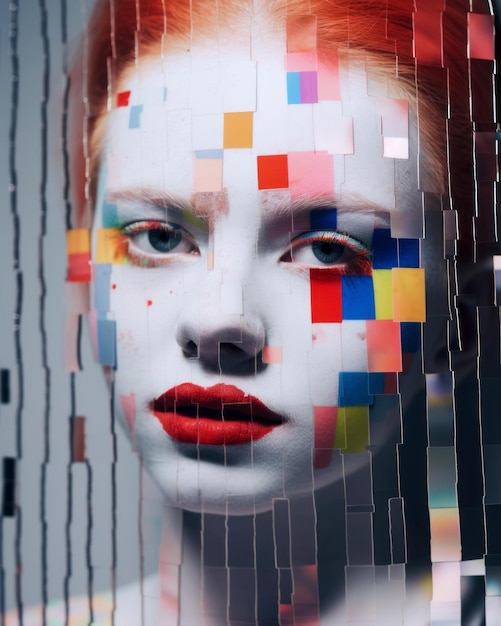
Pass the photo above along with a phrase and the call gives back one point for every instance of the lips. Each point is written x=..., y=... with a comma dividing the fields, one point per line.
x=217, y=415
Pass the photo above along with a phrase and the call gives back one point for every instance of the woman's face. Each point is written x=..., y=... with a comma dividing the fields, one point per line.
x=240, y=215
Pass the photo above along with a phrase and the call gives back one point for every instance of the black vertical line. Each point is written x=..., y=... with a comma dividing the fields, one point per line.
x=43, y=294
x=18, y=307
x=88, y=552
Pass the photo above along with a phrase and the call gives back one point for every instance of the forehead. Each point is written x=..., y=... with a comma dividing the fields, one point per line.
x=264, y=117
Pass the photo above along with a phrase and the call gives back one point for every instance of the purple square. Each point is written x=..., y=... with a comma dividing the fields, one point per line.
x=308, y=87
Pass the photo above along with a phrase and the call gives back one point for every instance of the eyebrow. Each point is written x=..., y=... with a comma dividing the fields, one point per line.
x=277, y=210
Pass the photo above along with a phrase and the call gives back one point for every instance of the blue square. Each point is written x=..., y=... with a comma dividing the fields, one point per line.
x=323, y=218
x=106, y=342
x=102, y=275
x=384, y=250
x=411, y=336
x=135, y=116
x=293, y=88
x=408, y=252
x=354, y=389
x=358, y=298
x=376, y=383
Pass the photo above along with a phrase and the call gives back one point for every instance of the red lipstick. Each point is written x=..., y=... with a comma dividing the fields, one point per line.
x=217, y=415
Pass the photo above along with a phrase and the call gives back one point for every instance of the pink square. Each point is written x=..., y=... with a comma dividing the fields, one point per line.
x=272, y=354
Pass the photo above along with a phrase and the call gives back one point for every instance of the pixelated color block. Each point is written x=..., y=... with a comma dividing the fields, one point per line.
x=272, y=354
x=78, y=241
x=357, y=298
x=238, y=130
x=107, y=342
x=394, y=117
x=446, y=582
x=481, y=36
x=428, y=37
x=102, y=276
x=442, y=478
x=411, y=336
x=110, y=215
x=123, y=99
x=128, y=403
x=325, y=293
x=293, y=88
x=384, y=249
x=383, y=294
x=311, y=174
x=384, y=350
x=78, y=439
x=445, y=537
x=376, y=383
x=79, y=268
x=301, y=32
x=323, y=219
x=395, y=147
x=354, y=389
x=352, y=429
x=408, y=253
x=110, y=246
x=301, y=61
x=409, y=302
x=135, y=116
x=207, y=175
x=213, y=153
x=308, y=87
x=273, y=171
x=324, y=418
x=328, y=84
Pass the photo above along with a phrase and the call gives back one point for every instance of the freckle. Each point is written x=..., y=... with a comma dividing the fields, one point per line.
x=314, y=336
x=150, y=302
x=361, y=336
x=113, y=286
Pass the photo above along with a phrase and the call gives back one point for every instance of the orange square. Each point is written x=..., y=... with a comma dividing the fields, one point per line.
x=238, y=130
x=110, y=246
x=272, y=354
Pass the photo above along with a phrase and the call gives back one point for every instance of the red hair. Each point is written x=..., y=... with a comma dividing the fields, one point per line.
x=120, y=31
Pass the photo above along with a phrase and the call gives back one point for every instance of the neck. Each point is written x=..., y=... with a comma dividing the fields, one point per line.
x=255, y=569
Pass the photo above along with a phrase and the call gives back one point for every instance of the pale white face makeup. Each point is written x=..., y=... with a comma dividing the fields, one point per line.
x=209, y=268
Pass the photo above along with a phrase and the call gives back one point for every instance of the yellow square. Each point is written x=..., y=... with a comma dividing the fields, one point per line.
x=78, y=241
x=238, y=130
x=110, y=246
x=352, y=429
x=383, y=294
x=409, y=302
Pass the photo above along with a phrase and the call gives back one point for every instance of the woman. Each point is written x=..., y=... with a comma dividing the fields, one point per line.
x=261, y=189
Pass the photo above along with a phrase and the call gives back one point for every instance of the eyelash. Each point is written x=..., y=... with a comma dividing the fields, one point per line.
x=353, y=256
x=156, y=258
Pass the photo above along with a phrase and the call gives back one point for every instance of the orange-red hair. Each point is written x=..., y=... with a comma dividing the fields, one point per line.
x=120, y=31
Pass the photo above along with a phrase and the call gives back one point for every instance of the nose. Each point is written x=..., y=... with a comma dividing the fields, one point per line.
x=222, y=342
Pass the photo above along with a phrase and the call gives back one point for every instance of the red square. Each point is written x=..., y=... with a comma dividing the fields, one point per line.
x=123, y=99
x=273, y=172
x=326, y=297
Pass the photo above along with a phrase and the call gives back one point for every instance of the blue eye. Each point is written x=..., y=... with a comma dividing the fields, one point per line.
x=153, y=243
x=328, y=249
x=163, y=240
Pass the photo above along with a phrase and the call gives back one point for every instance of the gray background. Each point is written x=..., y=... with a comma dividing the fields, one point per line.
x=94, y=522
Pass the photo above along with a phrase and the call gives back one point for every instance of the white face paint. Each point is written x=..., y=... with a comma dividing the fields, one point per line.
x=213, y=289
